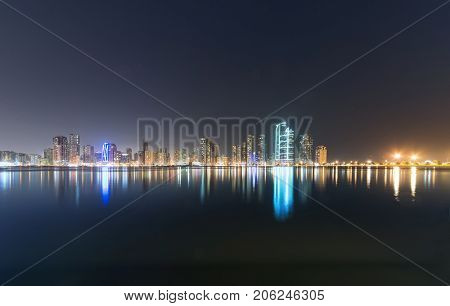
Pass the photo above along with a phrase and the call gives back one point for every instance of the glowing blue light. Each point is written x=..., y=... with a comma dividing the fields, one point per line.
x=283, y=192
x=106, y=149
x=106, y=191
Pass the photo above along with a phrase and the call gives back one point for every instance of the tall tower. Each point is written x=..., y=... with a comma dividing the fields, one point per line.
x=284, y=144
x=261, y=149
x=88, y=154
x=204, y=151
x=130, y=154
x=234, y=155
x=321, y=155
x=109, y=151
x=250, y=149
x=74, y=148
x=48, y=156
x=305, y=149
x=60, y=156
x=244, y=152
x=238, y=154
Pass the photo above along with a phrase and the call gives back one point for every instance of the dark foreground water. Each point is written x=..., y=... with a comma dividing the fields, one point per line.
x=225, y=226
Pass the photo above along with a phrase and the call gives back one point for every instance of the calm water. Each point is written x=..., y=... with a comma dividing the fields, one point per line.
x=225, y=226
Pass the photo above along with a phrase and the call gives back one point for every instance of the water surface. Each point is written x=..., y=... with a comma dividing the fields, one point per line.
x=231, y=226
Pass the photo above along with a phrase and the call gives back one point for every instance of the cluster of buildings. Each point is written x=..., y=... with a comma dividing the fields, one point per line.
x=253, y=151
x=286, y=149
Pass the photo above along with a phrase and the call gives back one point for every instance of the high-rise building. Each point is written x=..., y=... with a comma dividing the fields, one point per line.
x=205, y=150
x=117, y=156
x=98, y=157
x=149, y=158
x=125, y=159
x=184, y=156
x=129, y=152
x=244, y=153
x=109, y=152
x=261, y=149
x=251, y=150
x=214, y=154
x=60, y=155
x=238, y=154
x=234, y=155
x=88, y=154
x=74, y=148
x=176, y=157
x=209, y=152
x=139, y=157
x=34, y=159
x=194, y=157
x=7, y=156
x=321, y=155
x=305, y=149
x=48, y=156
x=163, y=157
x=22, y=158
x=284, y=144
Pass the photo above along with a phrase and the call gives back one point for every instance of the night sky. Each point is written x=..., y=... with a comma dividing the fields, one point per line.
x=228, y=58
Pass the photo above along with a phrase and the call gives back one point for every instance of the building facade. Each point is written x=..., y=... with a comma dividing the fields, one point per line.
x=60, y=150
x=284, y=144
x=261, y=149
x=88, y=154
x=305, y=149
x=321, y=155
x=74, y=148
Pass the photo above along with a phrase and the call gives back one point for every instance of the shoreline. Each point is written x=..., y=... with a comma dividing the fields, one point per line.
x=170, y=167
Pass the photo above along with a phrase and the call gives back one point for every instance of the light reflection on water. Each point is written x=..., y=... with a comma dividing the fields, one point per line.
x=283, y=192
x=250, y=184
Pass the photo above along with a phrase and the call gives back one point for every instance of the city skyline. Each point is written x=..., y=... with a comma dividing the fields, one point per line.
x=289, y=149
x=253, y=151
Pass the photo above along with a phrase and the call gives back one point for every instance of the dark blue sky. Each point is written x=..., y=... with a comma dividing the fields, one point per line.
x=228, y=58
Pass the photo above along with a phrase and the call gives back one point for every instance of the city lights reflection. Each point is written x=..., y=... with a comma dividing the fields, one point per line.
x=5, y=180
x=413, y=181
x=396, y=181
x=105, y=179
x=283, y=192
x=250, y=185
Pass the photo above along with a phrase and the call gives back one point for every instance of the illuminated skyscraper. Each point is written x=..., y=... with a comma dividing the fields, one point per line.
x=244, y=153
x=234, y=154
x=163, y=158
x=321, y=155
x=117, y=155
x=88, y=154
x=34, y=159
x=184, y=156
x=205, y=151
x=74, y=148
x=209, y=152
x=261, y=149
x=250, y=150
x=109, y=152
x=139, y=157
x=60, y=156
x=98, y=157
x=48, y=156
x=149, y=157
x=238, y=154
x=129, y=152
x=305, y=149
x=176, y=157
x=284, y=144
x=214, y=153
